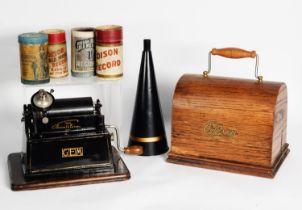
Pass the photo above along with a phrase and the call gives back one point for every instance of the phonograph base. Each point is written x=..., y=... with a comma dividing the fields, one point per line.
x=18, y=181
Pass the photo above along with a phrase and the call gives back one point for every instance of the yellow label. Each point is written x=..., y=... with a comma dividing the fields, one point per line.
x=57, y=60
x=72, y=152
x=109, y=61
x=33, y=60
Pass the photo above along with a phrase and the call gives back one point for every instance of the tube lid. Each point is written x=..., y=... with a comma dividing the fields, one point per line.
x=109, y=34
x=33, y=38
x=55, y=35
x=83, y=32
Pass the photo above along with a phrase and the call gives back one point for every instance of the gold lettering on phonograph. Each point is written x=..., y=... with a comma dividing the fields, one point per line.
x=72, y=152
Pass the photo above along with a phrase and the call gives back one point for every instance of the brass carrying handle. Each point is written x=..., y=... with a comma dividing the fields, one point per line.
x=132, y=150
x=234, y=53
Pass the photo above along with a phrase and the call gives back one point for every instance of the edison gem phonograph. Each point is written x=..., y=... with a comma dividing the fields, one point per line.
x=66, y=142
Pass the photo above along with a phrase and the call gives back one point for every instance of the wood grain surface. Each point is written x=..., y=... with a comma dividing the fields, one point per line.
x=232, y=52
x=19, y=182
x=249, y=121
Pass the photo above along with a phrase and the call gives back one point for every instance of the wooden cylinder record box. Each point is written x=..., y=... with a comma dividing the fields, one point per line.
x=229, y=124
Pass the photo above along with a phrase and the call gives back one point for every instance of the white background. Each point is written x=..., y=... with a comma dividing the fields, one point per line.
x=182, y=33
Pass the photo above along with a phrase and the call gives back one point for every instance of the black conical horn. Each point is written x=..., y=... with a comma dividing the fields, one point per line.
x=147, y=129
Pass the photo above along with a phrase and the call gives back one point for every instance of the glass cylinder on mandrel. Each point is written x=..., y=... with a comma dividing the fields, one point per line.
x=109, y=52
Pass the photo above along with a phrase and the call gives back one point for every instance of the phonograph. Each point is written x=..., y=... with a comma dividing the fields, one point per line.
x=66, y=142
